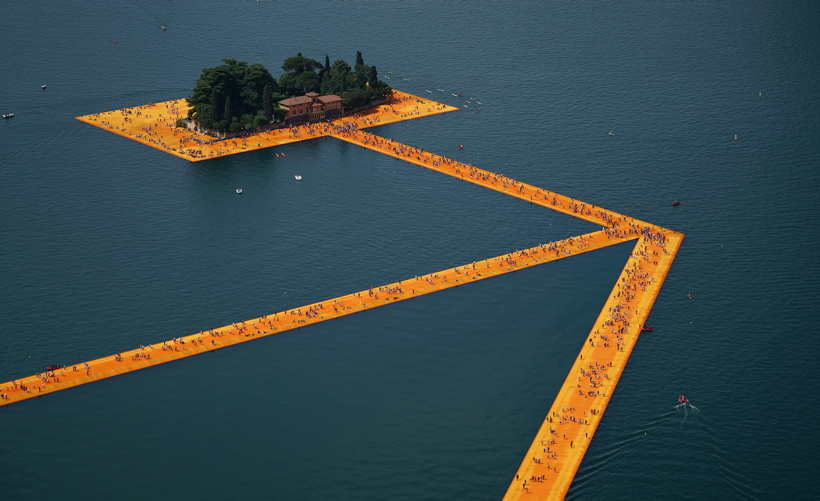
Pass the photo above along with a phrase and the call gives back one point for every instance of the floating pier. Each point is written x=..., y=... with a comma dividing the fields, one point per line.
x=154, y=125
x=558, y=448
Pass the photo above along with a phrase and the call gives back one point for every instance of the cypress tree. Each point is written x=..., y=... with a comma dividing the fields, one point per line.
x=359, y=60
x=267, y=102
x=373, y=81
x=228, y=117
x=324, y=73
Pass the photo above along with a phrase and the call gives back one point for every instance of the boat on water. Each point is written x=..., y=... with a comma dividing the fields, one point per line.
x=683, y=400
x=461, y=146
x=298, y=177
x=646, y=329
x=425, y=90
x=675, y=203
x=43, y=86
x=163, y=27
x=239, y=191
x=8, y=115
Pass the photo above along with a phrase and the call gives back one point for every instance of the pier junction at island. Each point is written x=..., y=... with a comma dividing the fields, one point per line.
x=555, y=454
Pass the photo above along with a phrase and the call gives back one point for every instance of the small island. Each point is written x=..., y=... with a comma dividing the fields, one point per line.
x=238, y=107
x=237, y=98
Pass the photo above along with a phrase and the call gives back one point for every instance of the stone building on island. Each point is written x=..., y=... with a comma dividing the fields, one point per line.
x=312, y=108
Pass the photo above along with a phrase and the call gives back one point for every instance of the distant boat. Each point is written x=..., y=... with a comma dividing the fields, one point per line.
x=298, y=177
x=239, y=191
x=163, y=27
x=406, y=79
x=675, y=203
x=646, y=329
x=611, y=133
x=425, y=90
x=43, y=86
x=440, y=90
x=8, y=115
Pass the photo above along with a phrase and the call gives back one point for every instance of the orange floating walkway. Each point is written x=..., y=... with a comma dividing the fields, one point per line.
x=174, y=349
x=549, y=466
x=560, y=444
x=154, y=125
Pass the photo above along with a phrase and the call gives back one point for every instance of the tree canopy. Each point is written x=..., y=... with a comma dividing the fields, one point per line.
x=231, y=96
x=235, y=95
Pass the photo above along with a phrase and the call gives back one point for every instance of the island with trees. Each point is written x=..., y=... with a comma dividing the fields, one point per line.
x=236, y=97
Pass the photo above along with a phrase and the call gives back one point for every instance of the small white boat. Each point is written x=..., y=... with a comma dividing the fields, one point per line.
x=298, y=177
x=8, y=115
x=43, y=86
x=239, y=191
x=163, y=27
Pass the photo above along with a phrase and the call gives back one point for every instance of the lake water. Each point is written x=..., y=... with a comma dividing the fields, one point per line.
x=107, y=244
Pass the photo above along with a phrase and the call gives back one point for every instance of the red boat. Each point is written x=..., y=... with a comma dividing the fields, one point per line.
x=645, y=329
x=461, y=146
x=683, y=400
x=675, y=203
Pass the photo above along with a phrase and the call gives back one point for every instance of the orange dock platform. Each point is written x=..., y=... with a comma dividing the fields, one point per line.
x=153, y=125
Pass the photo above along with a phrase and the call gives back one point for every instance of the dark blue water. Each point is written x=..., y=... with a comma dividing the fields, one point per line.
x=106, y=244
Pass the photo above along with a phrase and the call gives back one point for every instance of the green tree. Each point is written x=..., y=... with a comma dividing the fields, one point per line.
x=356, y=97
x=228, y=114
x=299, y=64
x=267, y=102
x=244, y=84
x=339, y=78
x=359, y=59
x=326, y=70
x=373, y=79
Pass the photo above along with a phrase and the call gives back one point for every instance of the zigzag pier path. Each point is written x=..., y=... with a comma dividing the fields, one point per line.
x=550, y=463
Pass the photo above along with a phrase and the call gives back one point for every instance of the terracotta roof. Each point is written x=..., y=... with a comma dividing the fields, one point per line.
x=312, y=94
x=293, y=101
x=330, y=98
